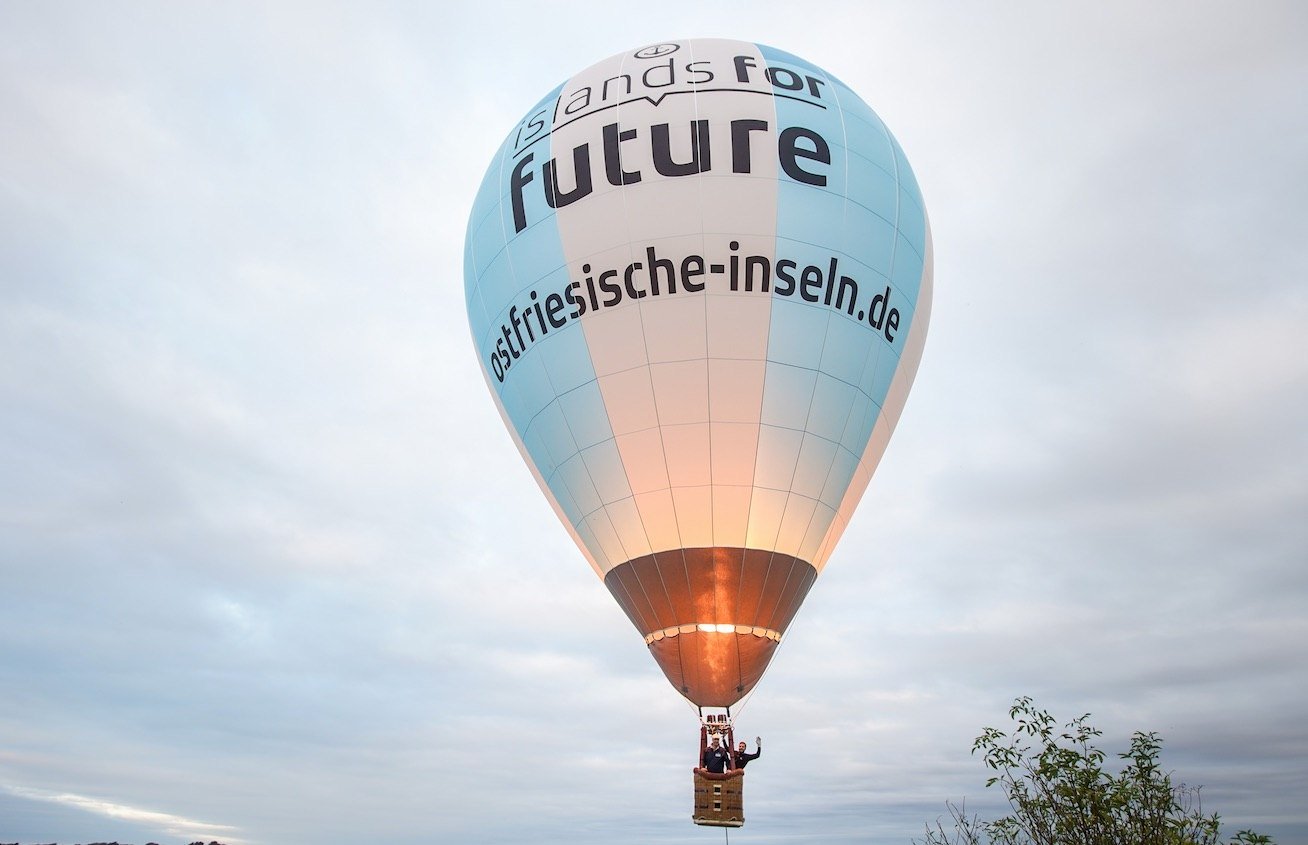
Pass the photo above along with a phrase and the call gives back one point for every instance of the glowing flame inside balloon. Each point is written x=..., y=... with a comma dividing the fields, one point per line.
x=698, y=276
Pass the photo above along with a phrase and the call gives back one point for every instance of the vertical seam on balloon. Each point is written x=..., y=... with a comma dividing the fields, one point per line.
x=586, y=468
x=697, y=156
x=662, y=443
x=504, y=247
x=580, y=450
x=550, y=498
x=652, y=618
x=740, y=584
x=684, y=643
x=790, y=571
x=894, y=255
x=718, y=617
x=836, y=522
x=894, y=244
x=831, y=468
x=472, y=249
x=685, y=569
x=916, y=341
x=794, y=471
x=873, y=357
x=874, y=347
x=758, y=439
x=808, y=574
x=629, y=605
x=816, y=370
x=641, y=583
x=767, y=665
x=622, y=188
x=663, y=446
x=667, y=594
x=504, y=240
x=758, y=603
x=826, y=334
x=755, y=620
x=640, y=315
x=844, y=219
x=657, y=566
x=513, y=271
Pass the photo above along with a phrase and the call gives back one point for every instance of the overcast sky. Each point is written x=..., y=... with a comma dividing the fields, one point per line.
x=271, y=569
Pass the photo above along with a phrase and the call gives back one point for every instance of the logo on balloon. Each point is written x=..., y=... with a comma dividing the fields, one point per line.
x=656, y=51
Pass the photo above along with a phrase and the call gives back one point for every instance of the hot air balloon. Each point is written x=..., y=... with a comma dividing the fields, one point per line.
x=698, y=277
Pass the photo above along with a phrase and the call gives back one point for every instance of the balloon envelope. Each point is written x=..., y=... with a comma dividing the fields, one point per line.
x=698, y=277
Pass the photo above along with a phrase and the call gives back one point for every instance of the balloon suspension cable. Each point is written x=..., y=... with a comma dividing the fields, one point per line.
x=740, y=705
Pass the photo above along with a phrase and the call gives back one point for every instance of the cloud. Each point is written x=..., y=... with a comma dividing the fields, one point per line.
x=165, y=822
x=261, y=526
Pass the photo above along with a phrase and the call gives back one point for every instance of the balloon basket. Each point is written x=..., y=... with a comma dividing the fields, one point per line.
x=719, y=798
x=719, y=803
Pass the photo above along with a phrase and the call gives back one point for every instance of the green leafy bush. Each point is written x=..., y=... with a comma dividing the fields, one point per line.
x=1060, y=793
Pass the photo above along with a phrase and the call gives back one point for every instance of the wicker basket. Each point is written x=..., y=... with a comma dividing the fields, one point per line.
x=719, y=803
